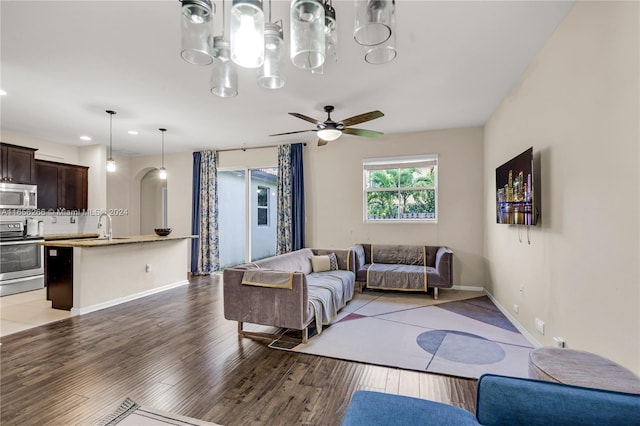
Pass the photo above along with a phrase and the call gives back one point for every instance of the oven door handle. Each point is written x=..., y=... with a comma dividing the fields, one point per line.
x=15, y=243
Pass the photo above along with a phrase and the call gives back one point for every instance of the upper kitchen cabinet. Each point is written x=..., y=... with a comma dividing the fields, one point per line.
x=17, y=164
x=61, y=186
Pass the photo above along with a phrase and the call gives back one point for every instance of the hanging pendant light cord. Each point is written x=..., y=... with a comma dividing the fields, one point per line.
x=163, y=130
x=110, y=133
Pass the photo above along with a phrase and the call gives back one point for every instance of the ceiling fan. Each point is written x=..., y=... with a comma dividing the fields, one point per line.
x=330, y=130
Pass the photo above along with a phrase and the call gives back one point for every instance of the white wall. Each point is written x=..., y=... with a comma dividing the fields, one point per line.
x=334, y=196
x=578, y=106
x=118, y=194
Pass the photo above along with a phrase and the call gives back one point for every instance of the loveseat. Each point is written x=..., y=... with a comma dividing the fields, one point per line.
x=292, y=290
x=403, y=267
x=501, y=401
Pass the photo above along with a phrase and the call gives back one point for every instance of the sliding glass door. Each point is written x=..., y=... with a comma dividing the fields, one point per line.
x=247, y=211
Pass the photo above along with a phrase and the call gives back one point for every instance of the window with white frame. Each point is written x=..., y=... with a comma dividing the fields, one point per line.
x=401, y=189
x=263, y=206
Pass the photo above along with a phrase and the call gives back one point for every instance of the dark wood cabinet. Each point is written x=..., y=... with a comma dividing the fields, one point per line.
x=17, y=164
x=61, y=186
x=58, y=276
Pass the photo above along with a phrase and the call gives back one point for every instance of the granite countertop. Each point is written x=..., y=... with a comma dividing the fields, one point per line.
x=52, y=237
x=100, y=242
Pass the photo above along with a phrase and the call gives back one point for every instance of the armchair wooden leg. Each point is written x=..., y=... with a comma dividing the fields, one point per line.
x=435, y=293
x=239, y=327
x=305, y=335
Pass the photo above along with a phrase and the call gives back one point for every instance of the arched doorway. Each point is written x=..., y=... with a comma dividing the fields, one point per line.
x=153, y=202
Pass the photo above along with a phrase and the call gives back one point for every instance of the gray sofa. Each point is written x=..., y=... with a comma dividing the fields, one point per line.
x=403, y=267
x=284, y=291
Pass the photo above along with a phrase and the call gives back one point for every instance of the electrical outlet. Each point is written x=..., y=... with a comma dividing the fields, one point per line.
x=147, y=267
x=516, y=308
x=521, y=289
x=540, y=326
x=54, y=219
x=558, y=342
x=72, y=219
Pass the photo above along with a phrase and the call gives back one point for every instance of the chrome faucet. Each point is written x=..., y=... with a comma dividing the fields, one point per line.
x=107, y=232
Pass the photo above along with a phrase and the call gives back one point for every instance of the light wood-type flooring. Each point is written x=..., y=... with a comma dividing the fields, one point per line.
x=174, y=351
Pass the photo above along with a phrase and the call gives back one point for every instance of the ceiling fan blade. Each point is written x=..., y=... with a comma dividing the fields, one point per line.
x=362, y=132
x=357, y=119
x=304, y=117
x=322, y=142
x=291, y=133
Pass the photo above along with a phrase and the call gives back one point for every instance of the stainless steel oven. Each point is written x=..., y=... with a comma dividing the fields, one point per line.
x=21, y=260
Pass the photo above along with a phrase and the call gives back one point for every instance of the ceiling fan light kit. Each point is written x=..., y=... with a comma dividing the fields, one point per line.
x=197, y=30
x=330, y=130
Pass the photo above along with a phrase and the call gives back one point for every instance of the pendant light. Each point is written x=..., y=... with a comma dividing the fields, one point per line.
x=197, y=31
x=373, y=21
x=307, y=33
x=111, y=164
x=247, y=33
x=271, y=72
x=386, y=51
x=224, y=76
x=163, y=171
x=330, y=37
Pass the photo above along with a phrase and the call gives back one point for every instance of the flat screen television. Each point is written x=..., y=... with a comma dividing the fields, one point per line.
x=515, y=191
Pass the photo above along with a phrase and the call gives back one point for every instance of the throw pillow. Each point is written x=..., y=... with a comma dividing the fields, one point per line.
x=320, y=263
x=333, y=261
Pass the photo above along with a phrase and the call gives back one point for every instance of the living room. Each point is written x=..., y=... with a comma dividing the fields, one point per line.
x=576, y=104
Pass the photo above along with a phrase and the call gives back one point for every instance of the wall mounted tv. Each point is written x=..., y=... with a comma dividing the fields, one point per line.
x=515, y=191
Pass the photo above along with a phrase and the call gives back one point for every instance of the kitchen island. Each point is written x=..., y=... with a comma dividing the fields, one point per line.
x=85, y=275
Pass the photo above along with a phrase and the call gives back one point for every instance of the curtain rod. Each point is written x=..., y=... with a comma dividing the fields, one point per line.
x=254, y=147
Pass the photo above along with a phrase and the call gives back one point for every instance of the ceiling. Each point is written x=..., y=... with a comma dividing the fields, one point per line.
x=63, y=63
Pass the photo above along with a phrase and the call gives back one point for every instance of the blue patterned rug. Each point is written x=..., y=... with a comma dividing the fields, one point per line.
x=464, y=338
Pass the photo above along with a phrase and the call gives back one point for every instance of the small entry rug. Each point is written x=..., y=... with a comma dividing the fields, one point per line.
x=461, y=334
x=131, y=414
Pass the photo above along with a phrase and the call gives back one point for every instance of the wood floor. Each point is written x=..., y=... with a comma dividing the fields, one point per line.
x=174, y=351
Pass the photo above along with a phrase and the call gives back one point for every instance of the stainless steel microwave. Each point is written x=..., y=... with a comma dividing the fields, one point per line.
x=18, y=196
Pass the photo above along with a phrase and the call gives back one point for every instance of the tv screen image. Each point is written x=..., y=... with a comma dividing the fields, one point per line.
x=515, y=192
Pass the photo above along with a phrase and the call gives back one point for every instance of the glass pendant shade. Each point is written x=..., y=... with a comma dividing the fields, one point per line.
x=224, y=76
x=271, y=76
x=162, y=173
x=111, y=165
x=330, y=38
x=383, y=52
x=373, y=21
x=247, y=33
x=197, y=30
x=307, y=33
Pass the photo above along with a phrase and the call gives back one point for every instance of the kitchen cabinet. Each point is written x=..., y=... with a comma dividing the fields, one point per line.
x=58, y=276
x=61, y=186
x=17, y=164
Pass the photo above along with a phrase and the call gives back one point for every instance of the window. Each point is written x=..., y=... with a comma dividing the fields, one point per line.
x=401, y=189
x=263, y=206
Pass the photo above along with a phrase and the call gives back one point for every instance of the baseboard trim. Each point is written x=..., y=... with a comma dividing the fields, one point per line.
x=530, y=337
x=466, y=288
x=114, y=302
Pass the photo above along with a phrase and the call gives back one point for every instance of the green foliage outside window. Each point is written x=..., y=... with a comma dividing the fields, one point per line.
x=406, y=193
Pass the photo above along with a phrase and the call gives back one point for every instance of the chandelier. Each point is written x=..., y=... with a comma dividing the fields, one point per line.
x=256, y=43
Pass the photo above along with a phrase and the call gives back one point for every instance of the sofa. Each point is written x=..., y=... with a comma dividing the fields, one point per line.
x=501, y=401
x=293, y=290
x=403, y=267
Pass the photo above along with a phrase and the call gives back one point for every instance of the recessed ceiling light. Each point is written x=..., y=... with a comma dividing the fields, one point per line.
x=2, y=92
x=133, y=132
x=85, y=138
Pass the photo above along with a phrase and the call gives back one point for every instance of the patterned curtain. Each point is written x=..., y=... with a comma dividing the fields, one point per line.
x=284, y=223
x=208, y=255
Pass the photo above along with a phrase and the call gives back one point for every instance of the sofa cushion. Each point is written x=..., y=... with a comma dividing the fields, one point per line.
x=369, y=408
x=320, y=263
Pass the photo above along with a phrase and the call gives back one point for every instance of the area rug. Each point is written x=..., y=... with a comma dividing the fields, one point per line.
x=131, y=414
x=463, y=338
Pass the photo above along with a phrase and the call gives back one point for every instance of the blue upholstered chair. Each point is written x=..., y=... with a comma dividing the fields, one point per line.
x=501, y=401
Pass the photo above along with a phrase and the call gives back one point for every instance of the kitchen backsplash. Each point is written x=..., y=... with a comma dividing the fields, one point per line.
x=58, y=223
